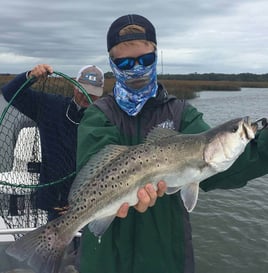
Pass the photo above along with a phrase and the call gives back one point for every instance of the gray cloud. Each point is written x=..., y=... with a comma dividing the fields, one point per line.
x=193, y=36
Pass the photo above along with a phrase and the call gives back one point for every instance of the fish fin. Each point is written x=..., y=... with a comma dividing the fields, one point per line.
x=189, y=195
x=99, y=226
x=158, y=133
x=92, y=167
x=171, y=190
x=42, y=254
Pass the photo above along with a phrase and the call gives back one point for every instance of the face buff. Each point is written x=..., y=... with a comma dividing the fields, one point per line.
x=134, y=87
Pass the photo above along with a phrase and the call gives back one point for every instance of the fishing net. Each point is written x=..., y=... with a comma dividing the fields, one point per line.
x=21, y=158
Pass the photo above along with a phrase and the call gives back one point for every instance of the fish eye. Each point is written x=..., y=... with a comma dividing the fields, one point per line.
x=234, y=129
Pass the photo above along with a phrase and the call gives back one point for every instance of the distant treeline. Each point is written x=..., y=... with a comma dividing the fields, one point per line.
x=242, y=77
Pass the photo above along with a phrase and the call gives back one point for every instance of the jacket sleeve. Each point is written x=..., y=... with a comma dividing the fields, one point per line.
x=94, y=132
x=192, y=121
x=27, y=100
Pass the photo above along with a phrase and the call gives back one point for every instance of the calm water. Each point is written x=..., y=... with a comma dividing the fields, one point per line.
x=230, y=227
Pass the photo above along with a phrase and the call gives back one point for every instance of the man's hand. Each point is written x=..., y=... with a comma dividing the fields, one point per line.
x=147, y=197
x=41, y=70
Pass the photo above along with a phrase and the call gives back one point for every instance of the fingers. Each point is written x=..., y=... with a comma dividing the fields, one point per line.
x=41, y=70
x=123, y=211
x=162, y=187
x=147, y=197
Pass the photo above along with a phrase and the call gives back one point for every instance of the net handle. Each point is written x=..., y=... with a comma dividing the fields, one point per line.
x=76, y=83
x=32, y=80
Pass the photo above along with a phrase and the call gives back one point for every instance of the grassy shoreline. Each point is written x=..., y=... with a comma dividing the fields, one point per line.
x=186, y=89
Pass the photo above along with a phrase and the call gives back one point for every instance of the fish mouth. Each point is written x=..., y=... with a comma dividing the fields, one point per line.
x=249, y=128
x=260, y=123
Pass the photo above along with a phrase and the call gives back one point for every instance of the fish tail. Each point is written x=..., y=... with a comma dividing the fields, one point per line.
x=42, y=248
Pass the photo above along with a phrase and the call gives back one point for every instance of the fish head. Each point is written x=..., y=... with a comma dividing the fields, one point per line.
x=228, y=141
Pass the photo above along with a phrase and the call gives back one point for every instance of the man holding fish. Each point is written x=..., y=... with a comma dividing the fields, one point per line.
x=158, y=240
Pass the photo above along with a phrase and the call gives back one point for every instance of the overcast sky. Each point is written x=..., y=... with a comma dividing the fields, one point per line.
x=202, y=36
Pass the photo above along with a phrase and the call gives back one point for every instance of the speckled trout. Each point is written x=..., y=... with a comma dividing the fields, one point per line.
x=114, y=175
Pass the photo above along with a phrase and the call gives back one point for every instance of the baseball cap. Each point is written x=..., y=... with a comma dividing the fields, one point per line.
x=91, y=78
x=113, y=37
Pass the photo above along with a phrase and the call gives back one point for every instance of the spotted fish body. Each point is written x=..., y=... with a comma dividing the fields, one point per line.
x=114, y=175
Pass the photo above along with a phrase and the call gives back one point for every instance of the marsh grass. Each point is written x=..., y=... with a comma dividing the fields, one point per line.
x=180, y=88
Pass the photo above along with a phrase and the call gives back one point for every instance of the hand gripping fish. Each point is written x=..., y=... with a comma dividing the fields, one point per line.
x=114, y=175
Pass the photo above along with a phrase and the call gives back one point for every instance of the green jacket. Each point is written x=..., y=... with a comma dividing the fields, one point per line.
x=158, y=240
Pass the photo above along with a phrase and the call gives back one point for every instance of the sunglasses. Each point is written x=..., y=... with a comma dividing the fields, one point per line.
x=129, y=62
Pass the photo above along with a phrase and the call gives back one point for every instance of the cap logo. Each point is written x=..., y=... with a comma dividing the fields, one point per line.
x=90, y=77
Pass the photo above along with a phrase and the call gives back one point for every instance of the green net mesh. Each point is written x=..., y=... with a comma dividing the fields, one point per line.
x=21, y=152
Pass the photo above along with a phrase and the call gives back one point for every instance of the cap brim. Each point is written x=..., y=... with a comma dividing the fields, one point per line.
x=93, y=90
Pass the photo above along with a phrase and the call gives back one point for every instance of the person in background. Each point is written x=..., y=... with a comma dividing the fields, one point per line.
x=57, y=118
x=159, y=239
